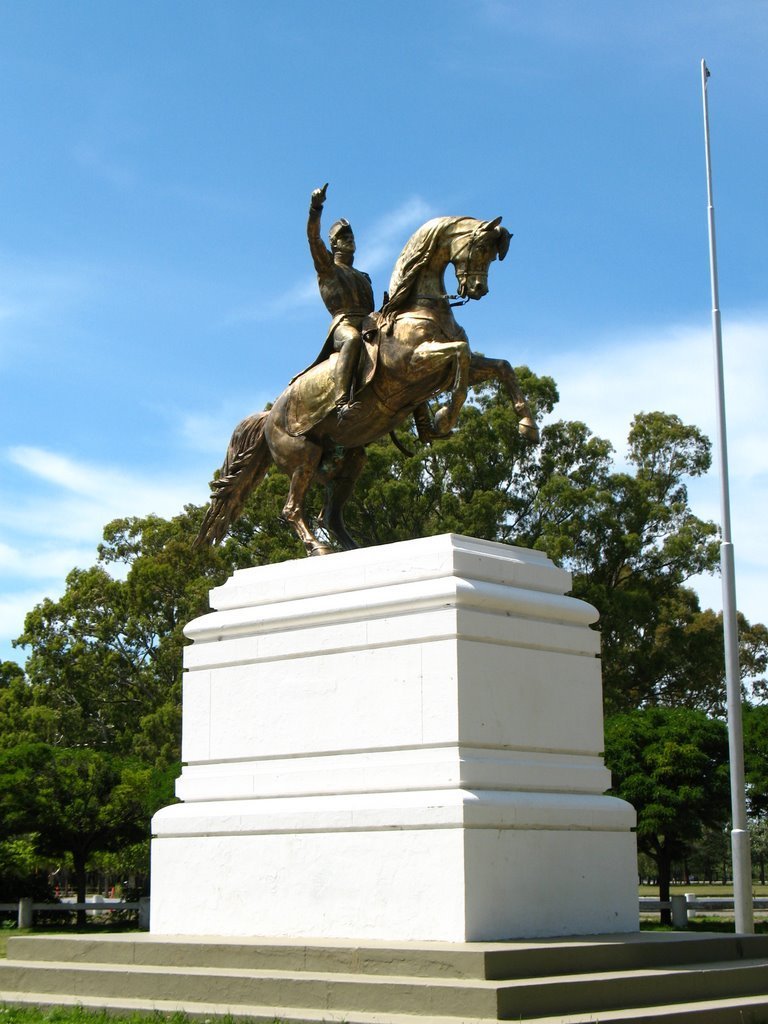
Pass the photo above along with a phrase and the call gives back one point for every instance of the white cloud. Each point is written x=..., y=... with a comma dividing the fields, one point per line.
x=209, y=432
x=33, y=297
x=13, y=609
x=381, y=244
x=55, y=520
x=104, y=483
x=298, y=296
x=49, y=561
x=93, y=494
x=626, y=25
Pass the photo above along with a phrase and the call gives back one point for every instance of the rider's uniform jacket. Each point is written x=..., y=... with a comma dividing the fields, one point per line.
x=346, y=291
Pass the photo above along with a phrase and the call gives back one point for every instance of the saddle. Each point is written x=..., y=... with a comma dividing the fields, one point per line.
x=311, y=395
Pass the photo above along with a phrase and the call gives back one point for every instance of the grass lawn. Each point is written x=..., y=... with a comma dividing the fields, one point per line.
x=77, y=1015
x=701, y=924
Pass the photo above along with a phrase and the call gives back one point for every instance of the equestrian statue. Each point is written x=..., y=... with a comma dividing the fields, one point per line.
x=375, y=370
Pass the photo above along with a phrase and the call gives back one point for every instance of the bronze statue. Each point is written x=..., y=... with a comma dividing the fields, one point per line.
x=411, y=350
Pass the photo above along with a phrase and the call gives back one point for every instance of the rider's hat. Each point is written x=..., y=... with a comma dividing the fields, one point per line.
x=337, y=228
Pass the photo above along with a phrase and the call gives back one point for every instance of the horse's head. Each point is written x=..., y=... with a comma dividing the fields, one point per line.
x=469, y=244
x=474, y=251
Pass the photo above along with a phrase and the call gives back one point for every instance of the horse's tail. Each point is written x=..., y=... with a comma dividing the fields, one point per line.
x=247, y=460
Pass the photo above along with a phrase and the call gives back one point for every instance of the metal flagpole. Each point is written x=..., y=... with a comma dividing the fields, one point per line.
x=742, y=864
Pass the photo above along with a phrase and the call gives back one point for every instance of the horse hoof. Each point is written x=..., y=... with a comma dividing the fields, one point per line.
x=429, y=435
x=528, y=430
x=319, y=549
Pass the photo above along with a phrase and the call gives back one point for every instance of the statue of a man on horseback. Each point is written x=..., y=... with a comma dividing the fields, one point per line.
x=420, y=352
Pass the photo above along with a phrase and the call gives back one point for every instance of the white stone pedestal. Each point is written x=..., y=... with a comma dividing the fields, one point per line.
x=401, y=742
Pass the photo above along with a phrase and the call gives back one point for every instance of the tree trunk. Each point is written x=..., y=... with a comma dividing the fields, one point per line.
x=664, y=863
x=79, y=860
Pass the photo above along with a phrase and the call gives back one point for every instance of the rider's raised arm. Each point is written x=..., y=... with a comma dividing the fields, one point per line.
x=321, y=255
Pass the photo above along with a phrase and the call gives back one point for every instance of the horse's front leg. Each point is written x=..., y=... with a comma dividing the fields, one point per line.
x=455, y=357
x=482, y=369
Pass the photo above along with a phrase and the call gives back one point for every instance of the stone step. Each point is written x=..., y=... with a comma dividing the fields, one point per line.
x=662, y=976
x=508, y=1000
x=326, y=991
x=607, y=991
x=490, y=961
x=744, y=1010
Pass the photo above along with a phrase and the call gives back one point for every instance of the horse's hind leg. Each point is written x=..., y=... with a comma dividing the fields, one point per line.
x=305, y=459
x=481, y=368
x=339, y=484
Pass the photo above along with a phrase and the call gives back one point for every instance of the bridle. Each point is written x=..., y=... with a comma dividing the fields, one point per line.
x=469, y=244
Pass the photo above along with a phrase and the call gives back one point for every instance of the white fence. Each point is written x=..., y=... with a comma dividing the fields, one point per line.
x=690, y=904
x=26, y=907
x=682, y=908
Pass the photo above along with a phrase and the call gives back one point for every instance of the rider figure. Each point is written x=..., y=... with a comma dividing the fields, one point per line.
x=348, y=296
x=346, y=292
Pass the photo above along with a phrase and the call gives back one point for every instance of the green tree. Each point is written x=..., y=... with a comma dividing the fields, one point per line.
x=671, y=764
x=758, y=841
x=76, y=801
x=104, y=667
x=755, y=719
x=710, y=856
x=22, y=872
x=633, y=547
x=685, y=657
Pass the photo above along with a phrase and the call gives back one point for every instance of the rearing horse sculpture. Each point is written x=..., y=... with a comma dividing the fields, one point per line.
x=415, y=350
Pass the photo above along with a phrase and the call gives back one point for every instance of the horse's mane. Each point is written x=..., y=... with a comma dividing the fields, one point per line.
x=415, y=255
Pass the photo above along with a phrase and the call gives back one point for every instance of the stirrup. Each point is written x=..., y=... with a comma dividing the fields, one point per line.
x=344, y=407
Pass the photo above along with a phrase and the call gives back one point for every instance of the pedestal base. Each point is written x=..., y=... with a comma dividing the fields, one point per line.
x=396, y=743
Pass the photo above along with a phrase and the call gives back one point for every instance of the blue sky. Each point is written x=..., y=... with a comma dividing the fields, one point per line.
x=155, y=284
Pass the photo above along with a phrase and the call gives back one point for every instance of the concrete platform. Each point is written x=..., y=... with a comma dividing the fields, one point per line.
x=643, y=977
x=352, y=722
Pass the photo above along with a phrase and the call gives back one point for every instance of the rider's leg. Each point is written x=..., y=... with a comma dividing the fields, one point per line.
x=347, y=342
